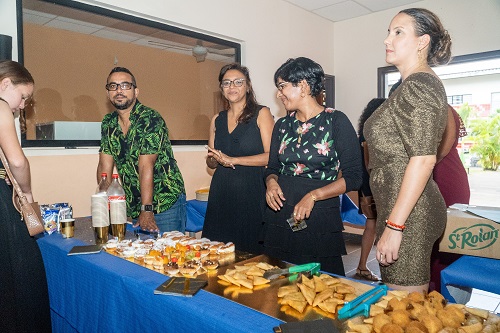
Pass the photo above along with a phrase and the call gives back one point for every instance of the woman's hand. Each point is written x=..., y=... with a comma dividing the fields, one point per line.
x=222, y=158
x=274, y=195
x=303, y=208
x=388, y=247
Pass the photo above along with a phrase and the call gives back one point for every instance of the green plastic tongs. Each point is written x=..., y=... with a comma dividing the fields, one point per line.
x=272, y=274
x=361, y=304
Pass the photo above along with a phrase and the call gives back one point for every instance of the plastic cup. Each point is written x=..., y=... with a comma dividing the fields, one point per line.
x=118, y=230
x=67, y=228
x=101, y=234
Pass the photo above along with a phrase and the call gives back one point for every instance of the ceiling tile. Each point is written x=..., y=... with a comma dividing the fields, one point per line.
x=36, y=18
x=313, y=4
x=71, y=26
x=378, y=5
x=342, y=11
x=119, y=35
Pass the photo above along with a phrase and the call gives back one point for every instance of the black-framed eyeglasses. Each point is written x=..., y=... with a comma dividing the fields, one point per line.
x=282, y=85
x=235, y=82
x=113, y=86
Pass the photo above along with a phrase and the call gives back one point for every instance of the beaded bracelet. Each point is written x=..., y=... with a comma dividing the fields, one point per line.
x=394, y=225
x=392, y=228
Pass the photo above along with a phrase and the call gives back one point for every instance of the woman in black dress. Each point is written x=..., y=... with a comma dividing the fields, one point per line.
x=309, y=149
x=239, y=150
x=24, y=300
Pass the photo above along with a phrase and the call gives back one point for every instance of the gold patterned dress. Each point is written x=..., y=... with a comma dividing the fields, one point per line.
x=410, y=123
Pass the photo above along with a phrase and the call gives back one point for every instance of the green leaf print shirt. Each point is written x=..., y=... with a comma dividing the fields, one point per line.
x=148, y=134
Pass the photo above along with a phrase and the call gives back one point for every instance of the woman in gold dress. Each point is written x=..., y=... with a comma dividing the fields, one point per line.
x=403, y=135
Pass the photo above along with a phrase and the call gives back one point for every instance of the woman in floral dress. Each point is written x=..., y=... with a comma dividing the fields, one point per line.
x=314, y=157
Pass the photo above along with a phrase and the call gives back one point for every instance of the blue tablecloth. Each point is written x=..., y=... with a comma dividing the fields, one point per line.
x=470, y=272
x=103, y=293
x=349, y=211
x=195, y=212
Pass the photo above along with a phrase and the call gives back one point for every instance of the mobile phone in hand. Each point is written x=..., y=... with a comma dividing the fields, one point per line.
x=296, y=225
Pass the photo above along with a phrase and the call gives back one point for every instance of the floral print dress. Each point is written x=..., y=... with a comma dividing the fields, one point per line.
x=306, y=156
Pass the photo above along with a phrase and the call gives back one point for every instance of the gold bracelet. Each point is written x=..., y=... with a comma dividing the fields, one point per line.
x=312, y=196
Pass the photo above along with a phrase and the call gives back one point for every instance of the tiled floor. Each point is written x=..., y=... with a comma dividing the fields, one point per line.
x=351, y=260
x=479, y=298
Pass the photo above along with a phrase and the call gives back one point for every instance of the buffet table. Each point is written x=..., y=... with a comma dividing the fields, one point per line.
x=458, y=279
x=101, y=292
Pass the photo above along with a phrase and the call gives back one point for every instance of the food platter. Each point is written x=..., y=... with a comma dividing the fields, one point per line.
x=265, y=299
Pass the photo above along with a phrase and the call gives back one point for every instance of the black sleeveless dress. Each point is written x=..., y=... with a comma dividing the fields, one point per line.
x=237, y=197
x=24, y=299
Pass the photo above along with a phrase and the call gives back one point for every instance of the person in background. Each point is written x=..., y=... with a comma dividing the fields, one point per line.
x=449, y=172
x=239, y=140
x=451, y=178
x=135, y=138
x=403, y=136
x=309, y=148
x=24, y=297
x=366, y=202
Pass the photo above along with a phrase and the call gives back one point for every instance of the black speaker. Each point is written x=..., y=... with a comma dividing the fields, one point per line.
x=5, y=47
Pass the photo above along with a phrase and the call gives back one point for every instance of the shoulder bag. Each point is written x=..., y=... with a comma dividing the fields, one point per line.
x=30, y=211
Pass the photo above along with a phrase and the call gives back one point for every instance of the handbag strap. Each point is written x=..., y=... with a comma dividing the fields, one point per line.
x=13, y=180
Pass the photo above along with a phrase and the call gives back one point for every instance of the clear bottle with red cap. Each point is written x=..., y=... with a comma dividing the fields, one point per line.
x=103, y=184
x=117, y=203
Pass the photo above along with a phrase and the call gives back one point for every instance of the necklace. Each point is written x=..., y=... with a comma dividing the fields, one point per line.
x=304, y=128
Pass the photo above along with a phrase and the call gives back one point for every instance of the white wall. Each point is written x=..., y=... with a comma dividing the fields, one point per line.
x=8, y=25
x=474, y=27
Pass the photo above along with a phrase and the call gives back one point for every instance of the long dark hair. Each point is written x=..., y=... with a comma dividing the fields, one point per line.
x=18, y=74
x=251, y=106
x=367, y=112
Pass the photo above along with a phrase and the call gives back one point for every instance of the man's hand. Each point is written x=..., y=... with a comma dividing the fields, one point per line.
x=147, y=222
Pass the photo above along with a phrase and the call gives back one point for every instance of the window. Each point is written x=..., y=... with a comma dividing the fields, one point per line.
x=485, y=66
x=459, y=99
x=71, y=47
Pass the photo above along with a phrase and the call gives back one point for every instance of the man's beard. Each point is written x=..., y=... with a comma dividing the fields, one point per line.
x=123, y=105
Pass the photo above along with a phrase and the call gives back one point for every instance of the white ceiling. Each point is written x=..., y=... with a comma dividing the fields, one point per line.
x=339, y=10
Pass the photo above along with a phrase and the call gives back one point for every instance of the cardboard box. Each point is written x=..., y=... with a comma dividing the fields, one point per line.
x=470, y=234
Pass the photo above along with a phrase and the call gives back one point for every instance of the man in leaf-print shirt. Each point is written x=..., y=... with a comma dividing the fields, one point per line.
x=135, y=138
